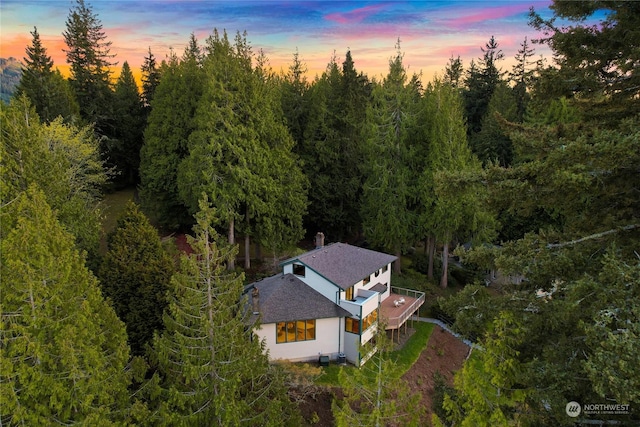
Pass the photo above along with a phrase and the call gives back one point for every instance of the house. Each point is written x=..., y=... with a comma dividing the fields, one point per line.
x=328, y=301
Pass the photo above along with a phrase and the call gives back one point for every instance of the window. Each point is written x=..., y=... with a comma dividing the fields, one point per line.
x=378, y=272
x=370, y=320
x=298, y=330
x=385, y=268
x=366, y=280
x=298, y=270
x=352, y=325
x=348, y=294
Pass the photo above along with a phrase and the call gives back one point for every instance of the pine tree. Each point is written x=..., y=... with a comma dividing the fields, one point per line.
x=135, y=275
x=46, y=88
x=63, y=351
x=211, y=369
x=88, y=54
x=522, y=77
x=124, y=147
x=453, y=72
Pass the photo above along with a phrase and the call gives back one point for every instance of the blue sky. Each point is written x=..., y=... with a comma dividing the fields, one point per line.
x=430, y=31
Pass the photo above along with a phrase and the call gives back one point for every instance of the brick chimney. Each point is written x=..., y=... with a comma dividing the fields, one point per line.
x=319, y=240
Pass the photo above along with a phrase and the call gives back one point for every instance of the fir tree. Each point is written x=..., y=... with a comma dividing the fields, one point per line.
x=48, y=91
x=135, y=275
x=150, y=79
x=124, y=147
x=88, y=54
x=211, y=369
x=63, y=350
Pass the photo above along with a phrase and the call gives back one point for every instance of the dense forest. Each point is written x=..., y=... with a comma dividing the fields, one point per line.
x=532, y=171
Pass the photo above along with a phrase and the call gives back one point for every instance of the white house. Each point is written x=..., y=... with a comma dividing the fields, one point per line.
x=327, y=301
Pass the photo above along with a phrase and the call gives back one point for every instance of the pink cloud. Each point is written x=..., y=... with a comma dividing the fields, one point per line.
x=354, y=16
x=489, y=14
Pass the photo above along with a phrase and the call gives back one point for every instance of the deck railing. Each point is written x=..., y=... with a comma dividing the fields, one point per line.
x=397, y=321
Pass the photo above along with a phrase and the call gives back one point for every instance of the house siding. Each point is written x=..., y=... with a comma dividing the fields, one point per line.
x=327, y=342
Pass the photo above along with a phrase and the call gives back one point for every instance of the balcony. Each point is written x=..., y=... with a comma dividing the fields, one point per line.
x=364, y=302
x=400, y=306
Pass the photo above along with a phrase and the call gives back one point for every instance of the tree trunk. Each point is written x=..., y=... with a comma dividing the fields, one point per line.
x=247, y=245
x=431, y=242
x=231, y=262
x=397, y=265
x=444, y=282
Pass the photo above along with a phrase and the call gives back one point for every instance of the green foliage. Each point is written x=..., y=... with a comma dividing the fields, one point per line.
x=375, y=394
x=393, y=163
x=239, y=150
x=48, y=91
x=89, y=58
x=135, y=275
x=124, y=148
x=63, y=350
x=333, y=148
x=210, y=368
x=170, y=124
x=61, y=160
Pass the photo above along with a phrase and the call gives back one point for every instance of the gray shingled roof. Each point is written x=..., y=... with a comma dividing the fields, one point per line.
x=285, y=298
x=344, y=264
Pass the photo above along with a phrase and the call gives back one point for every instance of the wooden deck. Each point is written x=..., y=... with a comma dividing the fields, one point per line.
x=400, y=306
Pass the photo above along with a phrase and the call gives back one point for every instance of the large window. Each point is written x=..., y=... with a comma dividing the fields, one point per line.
x=353, y=325
x=298, y=330
x=370, y=320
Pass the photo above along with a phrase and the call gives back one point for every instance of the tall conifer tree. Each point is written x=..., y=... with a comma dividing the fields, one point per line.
x=63, y=350
x=211, y=369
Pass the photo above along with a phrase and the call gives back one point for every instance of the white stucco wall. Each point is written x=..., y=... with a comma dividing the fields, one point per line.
x=328, y=334
x=316, y=281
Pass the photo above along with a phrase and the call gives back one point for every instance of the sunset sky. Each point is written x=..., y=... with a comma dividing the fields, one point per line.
x=430, y=31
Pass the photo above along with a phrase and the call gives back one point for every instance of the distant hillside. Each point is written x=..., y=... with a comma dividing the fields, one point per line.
x=10, y=74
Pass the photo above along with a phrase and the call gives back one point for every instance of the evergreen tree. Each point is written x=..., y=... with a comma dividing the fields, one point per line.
x=150, y=80
x=388, y=201
x=238, y=148
x=453, y=72
x=60, y=159
x=135, y=275
x=294, y=88
x=170, y=124
x=455, y=201
x=374, y=394
x=88, y=54
x=522, y=77
x=597, y=61
x=63, y=351
x=334, y=148
x=124, y=147
x=481, y=81
x=211, y=369
x=46, y=88
x=492, y=144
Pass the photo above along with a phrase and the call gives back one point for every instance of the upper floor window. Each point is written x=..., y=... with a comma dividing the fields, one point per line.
x=366, y=280
x=298, y=330
x=348, y=294
x=385, y=268
x=299, y=270
x=352, y=325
